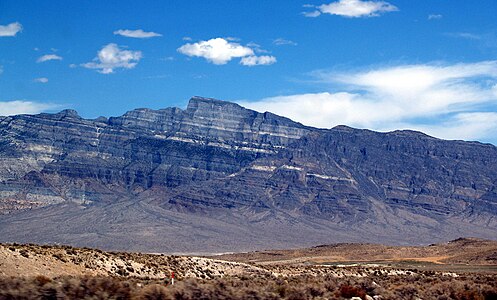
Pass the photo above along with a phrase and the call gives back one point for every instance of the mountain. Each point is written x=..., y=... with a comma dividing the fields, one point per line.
x=217, y=177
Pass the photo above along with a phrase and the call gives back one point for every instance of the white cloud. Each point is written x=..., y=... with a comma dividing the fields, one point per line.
x=11, y=29
x=139, y=34
x=435, y=17
x=312, y=14
x=466, y=35
x=462, y=126
x=353, y=8
x=112, y=57
x=256, y=47
x=232, y=39
x=282, y=42
x=264, y=60
x=485, y=40
x=447, y=101
x=219, y=51
x=48, y=57
x=9, y=108
x=41, y=80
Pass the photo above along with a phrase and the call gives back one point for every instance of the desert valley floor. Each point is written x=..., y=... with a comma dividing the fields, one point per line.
x=459, y=269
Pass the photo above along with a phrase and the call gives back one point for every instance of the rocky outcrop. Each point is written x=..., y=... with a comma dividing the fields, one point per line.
x=241, y=170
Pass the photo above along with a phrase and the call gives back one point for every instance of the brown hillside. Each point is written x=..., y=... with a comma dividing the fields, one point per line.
x=460, y=251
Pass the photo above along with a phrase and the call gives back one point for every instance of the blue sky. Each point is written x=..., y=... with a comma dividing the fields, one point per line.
x=428, y=65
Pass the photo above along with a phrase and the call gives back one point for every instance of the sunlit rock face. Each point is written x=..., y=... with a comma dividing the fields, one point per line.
x=224, y=169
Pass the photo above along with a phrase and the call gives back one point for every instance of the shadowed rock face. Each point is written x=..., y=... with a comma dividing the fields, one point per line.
x=228, y=178
x=138, y=150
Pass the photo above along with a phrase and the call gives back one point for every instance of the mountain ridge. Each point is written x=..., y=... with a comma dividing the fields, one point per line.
x=195, y=99
x=219, y=170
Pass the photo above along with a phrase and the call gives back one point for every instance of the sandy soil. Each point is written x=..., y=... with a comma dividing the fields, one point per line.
x=13, y=263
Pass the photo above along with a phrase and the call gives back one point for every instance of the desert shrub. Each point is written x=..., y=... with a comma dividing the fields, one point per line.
x=41, y=280
x=95, y=287
x=296, y=294
x=407, y=292
x=121, y=271
x=490, y=294
x=259, y=286
x=24, y=253
x=348, y=291
x=281, y=290
x=71, y=251
x=48, y=293
x=154, y=292
x=59, y=256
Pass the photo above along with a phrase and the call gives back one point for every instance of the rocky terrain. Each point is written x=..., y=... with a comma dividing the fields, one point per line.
x=57, y=260
x=40, y=260
x=32, y=260
x=217, y=177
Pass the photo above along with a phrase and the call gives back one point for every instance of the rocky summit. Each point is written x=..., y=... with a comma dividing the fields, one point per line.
x=217, y=177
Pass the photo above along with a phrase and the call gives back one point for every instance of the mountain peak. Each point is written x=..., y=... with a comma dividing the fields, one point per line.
x=68, y=113
x=198, y=102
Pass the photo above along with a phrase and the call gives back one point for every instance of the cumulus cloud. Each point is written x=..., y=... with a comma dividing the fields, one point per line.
x=447, y=101
x=220, y=51
x=264, y=60
x=16, y=107
x=41, y=80
x=48, y=57
x=353, y=8
x=112, y=57
x=11, y=29
x=139, y=33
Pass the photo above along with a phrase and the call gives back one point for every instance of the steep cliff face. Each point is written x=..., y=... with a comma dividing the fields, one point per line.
x=221, y=170
x=344, y=173
x=69, y=158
